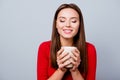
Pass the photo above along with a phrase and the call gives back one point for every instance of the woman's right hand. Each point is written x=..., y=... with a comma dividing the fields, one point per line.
x=62, y=57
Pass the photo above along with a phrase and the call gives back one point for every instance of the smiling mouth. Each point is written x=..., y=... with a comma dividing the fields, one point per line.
x=67, y=31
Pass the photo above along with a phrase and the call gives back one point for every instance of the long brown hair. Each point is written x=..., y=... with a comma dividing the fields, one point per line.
x=79, y=39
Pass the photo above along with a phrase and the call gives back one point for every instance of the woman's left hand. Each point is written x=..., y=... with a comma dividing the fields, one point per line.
x=75, y=59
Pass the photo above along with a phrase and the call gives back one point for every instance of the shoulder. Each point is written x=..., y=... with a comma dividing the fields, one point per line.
x=90, y=45
x=45, y=44
x=91, y=48
x=44, y=48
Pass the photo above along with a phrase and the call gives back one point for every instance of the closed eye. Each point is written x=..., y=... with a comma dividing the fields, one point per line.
x=62, y=20
x=74, y=21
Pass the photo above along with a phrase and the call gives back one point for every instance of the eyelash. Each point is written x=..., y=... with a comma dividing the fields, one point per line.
x=71, y=21
x=62, y=21
x=74, y=21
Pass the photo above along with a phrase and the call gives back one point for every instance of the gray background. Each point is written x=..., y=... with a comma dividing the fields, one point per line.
x=24, y=24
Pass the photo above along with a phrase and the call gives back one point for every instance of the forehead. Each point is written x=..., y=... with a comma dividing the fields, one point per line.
x=68, y=12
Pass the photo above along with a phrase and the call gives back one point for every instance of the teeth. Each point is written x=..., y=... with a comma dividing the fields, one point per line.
x=67, y=31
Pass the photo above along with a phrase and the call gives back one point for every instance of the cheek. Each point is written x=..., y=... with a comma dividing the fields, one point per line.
x=60, y=25
x=76, y=28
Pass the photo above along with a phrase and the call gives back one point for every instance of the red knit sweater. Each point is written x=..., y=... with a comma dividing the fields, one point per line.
x=44, y=69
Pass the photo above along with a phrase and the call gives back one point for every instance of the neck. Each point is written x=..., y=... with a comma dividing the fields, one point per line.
x=66, y=42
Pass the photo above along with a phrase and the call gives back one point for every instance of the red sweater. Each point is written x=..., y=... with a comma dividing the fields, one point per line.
x=44, y=69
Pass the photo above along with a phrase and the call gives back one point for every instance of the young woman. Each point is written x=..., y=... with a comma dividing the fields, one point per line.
x=68, y=30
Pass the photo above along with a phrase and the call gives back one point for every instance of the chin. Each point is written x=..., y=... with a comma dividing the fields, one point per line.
x=68, y=37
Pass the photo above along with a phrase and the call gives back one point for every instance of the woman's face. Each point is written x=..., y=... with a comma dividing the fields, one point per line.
x=67, y=23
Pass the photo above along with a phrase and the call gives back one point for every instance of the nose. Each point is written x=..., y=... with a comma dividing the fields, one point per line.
x=68, y=24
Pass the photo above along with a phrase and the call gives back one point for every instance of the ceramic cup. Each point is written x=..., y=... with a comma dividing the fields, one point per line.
x=69, y=50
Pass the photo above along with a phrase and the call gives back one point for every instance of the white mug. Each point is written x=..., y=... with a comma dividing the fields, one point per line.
x=69, y=49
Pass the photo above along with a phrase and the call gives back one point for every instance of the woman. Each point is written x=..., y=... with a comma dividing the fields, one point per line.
x=68, y=30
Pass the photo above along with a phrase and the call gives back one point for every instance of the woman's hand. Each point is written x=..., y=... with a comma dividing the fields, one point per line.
x=62, y=57
x=75, y=60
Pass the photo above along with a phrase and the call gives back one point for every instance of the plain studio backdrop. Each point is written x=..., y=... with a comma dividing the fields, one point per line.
x=24, y=24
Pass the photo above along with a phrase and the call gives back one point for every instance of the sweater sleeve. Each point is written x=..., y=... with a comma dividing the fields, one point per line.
x=91, y=75
x=42, y=62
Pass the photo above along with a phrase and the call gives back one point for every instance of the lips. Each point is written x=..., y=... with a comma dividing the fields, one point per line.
x=67, y=31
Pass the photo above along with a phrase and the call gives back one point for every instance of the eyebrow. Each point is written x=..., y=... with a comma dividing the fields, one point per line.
x=71, y=17
x=61, y=17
